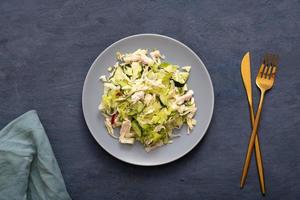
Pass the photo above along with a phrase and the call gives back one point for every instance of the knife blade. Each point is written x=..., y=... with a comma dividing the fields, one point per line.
x=246, y=76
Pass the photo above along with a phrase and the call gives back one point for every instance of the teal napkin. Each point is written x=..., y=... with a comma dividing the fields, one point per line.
x=28, y=168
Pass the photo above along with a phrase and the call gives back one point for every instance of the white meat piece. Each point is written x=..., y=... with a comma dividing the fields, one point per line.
x=159, y=127
x=109, y=128
x=131, y=58
x=125, y=129
x=191, y=123
x=102, y=78
x=181, y=99
x=137, y=96
x=135, y=56
x=111, y=86
x=130, y=135
x=160, y=143
x=192, y=112
x=146, y=60
x=141, y=52
x=148, y=98
x=155, y=54
x=101, y=107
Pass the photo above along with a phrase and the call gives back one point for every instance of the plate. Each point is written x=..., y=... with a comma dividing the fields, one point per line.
x=199, y=81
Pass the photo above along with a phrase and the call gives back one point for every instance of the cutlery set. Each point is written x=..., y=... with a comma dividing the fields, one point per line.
x=264, y=81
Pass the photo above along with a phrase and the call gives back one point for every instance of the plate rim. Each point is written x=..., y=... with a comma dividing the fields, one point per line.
x=211, y=109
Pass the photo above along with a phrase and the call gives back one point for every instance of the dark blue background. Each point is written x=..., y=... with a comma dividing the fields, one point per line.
x=47, y=47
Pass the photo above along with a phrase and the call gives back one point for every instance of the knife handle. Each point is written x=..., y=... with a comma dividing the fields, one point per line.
x=258, y=158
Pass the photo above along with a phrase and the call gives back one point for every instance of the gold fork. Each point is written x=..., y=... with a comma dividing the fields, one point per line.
x=246, y=76
x=264, y=81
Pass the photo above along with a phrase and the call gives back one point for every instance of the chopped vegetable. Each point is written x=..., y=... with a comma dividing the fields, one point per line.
x=147, y=98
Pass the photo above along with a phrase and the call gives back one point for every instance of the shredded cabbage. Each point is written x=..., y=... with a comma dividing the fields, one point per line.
x=147, y=99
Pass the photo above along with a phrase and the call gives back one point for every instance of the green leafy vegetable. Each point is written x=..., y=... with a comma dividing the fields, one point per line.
x=147, y=98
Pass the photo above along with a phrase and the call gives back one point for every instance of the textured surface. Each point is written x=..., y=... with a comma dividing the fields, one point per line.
x=46, y=48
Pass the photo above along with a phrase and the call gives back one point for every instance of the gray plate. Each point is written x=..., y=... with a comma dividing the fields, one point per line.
x=176, y=53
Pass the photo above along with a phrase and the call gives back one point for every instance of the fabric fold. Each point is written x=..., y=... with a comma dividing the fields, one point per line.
x=28, y=168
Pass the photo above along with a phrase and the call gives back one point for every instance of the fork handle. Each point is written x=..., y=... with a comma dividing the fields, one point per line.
x=253, y=137
x=258, y=157
x=259, y=165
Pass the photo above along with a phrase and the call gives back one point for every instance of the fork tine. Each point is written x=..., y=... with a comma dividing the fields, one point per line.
x=272, y=76
x=265, y=73
x=266, y=61
x=274, y=61
x=261, y=70
x=268, y=76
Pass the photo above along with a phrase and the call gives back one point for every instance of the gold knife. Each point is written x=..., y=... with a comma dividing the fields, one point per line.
x=246, y=75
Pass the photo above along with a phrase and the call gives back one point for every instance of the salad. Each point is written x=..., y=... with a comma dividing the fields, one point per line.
x=147, y=98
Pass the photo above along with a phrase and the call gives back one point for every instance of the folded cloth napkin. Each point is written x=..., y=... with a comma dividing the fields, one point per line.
x=28, y=168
